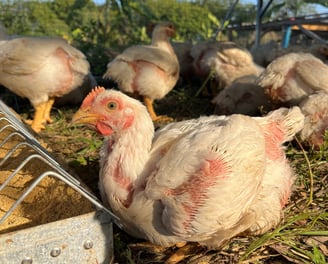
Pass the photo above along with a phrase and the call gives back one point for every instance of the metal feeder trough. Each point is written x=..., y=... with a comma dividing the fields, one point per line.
x=86, y=238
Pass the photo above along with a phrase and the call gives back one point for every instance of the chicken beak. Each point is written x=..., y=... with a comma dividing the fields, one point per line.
x=84, y=116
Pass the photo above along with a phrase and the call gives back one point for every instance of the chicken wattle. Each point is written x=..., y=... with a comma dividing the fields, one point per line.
x=41, y=69
x=205, y=180
x=150, y=71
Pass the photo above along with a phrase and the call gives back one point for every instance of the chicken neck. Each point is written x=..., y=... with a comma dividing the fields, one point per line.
x=124, y=162
x=123, y=157
x=163, y=42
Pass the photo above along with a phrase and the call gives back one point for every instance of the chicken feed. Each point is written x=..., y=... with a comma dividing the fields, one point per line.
x=49, y=201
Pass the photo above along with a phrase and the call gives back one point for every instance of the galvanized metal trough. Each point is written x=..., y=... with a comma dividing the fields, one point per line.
x=86, y=238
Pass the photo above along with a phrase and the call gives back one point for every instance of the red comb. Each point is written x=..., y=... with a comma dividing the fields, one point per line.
x=91, y=96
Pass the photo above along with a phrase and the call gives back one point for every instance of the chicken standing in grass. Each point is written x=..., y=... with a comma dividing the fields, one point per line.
x=41, y=69
x=205, y=180
x=150, y=71
x=291, y=78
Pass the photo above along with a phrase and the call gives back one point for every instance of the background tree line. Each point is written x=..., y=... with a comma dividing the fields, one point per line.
x=100, y=29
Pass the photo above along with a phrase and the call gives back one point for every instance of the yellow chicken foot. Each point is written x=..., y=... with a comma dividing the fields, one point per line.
x=149, y=105
x=183, y=251
x=47, y=110
x=36, y=123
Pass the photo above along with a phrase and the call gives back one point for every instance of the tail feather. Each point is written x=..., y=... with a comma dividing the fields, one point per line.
x=291, y=121
x=285, y=121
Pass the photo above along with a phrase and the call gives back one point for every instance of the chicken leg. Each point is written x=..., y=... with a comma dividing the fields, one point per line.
x=47, y=110
x=41, y=115
x=149, y=105
x=184, y=251
x=37, y=122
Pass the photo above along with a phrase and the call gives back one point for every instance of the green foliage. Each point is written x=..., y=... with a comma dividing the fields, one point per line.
x=317, y=256
x=92, y=147
x=194, y=22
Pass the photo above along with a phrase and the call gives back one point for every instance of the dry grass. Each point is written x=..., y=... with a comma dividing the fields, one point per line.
x=302, y=236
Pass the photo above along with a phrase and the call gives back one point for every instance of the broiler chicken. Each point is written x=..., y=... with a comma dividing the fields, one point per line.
x=150, y=71
x=243, y=96
x=41, y=69
x=225, y=60
x=315, y=110
x=205, y=180
x=293, y=77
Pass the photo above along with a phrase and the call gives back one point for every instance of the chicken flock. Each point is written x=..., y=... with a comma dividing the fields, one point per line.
x=182, y=182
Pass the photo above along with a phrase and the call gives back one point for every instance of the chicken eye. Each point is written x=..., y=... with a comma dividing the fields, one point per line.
x=111, y=105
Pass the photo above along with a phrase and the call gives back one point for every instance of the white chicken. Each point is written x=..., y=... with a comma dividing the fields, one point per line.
x=41, y=69
x=243, y=96
x=205, y=180
x=315, y=110
x=293, y=77
x=147, y=70
x=225, y=60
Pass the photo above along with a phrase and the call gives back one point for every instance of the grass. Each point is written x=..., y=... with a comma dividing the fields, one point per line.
x=301, y=237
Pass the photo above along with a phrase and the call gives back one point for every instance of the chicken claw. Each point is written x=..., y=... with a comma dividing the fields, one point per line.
x=183, y=251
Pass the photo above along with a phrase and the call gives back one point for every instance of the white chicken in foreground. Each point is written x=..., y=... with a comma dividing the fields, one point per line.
x=205, y=180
